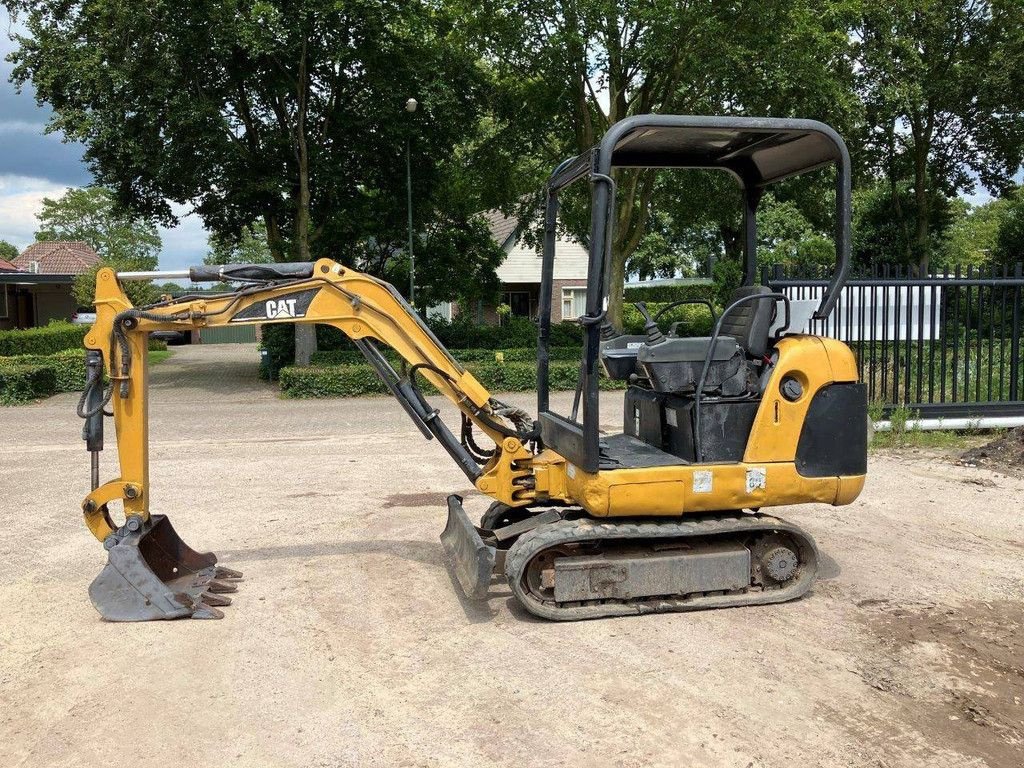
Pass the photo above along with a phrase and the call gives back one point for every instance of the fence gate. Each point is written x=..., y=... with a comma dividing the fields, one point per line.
x=229, y=334
x=943, y=345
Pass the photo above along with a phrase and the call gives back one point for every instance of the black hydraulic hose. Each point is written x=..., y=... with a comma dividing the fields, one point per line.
x=94, y=379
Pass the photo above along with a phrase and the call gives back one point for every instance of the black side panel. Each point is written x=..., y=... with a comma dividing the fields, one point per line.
x=642, y=417
x=725, y=428
x=834, y=438
x=679, y=427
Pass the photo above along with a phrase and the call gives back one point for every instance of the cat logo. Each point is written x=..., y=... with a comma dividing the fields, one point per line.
x=280, y=308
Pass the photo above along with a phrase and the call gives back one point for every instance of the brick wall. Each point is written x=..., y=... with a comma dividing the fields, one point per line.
x=556, y=296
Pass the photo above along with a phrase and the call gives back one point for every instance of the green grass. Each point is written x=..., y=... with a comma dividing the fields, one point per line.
x=900, y=435
x=159, y=355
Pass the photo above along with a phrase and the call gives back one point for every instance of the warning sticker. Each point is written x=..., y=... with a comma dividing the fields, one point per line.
x=702, y=481
x=756, y=479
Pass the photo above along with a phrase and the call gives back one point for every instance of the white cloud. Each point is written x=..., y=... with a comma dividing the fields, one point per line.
x=21, y=198
x=185, y=244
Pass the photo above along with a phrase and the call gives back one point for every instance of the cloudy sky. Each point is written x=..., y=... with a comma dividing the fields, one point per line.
x=34, y=165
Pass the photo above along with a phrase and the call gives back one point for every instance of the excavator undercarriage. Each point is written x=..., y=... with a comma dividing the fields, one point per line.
x=666, y=516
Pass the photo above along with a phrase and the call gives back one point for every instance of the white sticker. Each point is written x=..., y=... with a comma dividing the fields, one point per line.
x=756, y=478
x=702, y=481
x=670, y=417
x=634, y=344
x=570, y=470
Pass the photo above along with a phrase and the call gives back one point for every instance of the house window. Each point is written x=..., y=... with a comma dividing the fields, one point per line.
x=3, y=302
x=519, y=301
x=574, y=303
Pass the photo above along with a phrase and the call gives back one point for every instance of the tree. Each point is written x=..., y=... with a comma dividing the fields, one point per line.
x=287, y=114
x=8, y=251
x=945, y=106
x=575, y=68
x=91, y=214
x=123, y=241
x=1008, y=248
x=971, y=237
x=250, y=247
x=884, y=223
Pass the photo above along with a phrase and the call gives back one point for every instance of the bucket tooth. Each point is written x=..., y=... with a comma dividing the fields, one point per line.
x=212, y=598
x=215, y=585
x=152, y=574
x=204, y=611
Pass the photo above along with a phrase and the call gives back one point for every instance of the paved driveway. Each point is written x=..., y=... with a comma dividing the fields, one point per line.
x=348, y=644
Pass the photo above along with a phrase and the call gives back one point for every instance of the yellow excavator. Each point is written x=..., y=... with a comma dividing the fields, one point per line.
x=666, y=516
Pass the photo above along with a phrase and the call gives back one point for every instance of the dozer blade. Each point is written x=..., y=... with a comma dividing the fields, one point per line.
x=152, y=574
x=471, y=559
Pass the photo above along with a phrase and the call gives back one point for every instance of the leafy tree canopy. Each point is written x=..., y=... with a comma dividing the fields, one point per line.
x=8, y=251
x=264, y=112
x=122, y=240
x=944, y=102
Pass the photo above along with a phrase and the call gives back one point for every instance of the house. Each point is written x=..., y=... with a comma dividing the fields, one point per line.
x=519, y=274
x=37, y=286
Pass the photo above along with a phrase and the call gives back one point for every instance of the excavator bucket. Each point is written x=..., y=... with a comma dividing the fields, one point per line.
x=152, y=574
x=471, y=559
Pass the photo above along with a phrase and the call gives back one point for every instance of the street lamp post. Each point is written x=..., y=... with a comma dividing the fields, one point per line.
x=410, y=106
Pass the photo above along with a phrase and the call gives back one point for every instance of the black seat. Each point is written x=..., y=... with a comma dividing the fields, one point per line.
x=750, y=321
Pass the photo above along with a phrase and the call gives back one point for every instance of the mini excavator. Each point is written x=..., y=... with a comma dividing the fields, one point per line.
x=666, y=516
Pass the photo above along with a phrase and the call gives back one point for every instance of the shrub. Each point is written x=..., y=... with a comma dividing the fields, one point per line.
x=157, y=345
x=518, y=355
x=694, y=319
x=353, y=380
x=668, y=293
x=278, y=339
x=55, y=337
x=23, y=382
x=514, y=332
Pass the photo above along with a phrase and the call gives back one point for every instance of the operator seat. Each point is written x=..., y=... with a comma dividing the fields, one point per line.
x=748, y=324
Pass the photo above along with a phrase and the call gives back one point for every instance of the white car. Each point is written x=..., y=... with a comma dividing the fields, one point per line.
x=83, y=317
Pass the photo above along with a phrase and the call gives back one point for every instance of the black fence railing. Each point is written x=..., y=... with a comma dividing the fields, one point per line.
x=945, y=344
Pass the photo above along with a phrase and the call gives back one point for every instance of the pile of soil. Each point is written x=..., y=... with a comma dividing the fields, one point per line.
x=1005, y=453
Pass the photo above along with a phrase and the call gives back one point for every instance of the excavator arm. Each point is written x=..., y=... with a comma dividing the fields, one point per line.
x=366, y=309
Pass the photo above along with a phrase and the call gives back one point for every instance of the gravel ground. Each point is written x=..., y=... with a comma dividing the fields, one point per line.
x=348, y=643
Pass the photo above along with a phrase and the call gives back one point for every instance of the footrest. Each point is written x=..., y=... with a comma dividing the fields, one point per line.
x=471, y=560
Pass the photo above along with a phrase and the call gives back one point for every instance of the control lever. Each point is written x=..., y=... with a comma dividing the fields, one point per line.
x=654, y=334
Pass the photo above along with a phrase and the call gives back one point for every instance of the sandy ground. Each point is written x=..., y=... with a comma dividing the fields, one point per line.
x=348, y=644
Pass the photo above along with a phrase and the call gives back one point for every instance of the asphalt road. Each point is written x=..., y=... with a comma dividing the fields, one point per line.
x=349, y=645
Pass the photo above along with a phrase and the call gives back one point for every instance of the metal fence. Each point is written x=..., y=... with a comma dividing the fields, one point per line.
x=944, y=345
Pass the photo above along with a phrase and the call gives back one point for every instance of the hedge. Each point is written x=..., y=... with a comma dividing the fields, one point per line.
x=695, y=319
x=55, y=337
x=67, y=369
x=459, y=334
x=23, y=382
x=520, y=355
x=353, y=380
x=668, y=293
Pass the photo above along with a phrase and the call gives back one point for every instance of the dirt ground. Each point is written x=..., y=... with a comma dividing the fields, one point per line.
x=349, y=645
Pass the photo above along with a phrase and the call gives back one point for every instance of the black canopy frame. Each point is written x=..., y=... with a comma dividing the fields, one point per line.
x=758, y=152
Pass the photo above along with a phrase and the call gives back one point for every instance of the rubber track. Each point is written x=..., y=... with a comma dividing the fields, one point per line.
x=531, y=544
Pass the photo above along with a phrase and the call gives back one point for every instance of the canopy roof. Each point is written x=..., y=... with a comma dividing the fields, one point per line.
x=758, y=151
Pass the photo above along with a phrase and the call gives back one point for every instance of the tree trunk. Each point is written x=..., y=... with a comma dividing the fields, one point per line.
x=305, y=343
x=922, y=244
x=305, y=334
x=302, y=217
